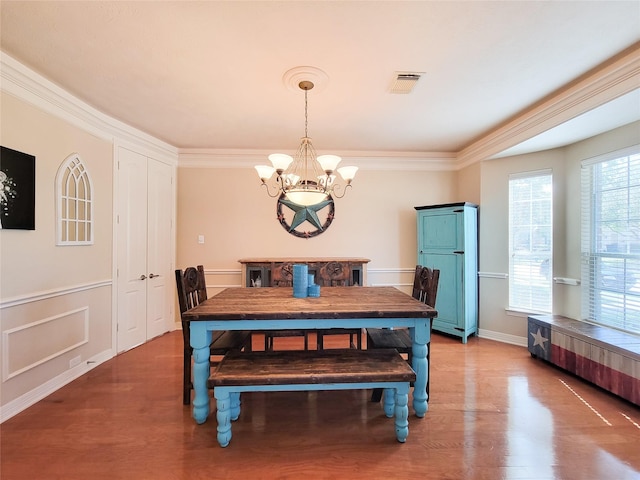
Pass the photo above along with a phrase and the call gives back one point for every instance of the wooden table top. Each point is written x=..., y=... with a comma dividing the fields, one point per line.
x=334, y=302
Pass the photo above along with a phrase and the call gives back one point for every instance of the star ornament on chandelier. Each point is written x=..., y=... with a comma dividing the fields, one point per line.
x=303, y=214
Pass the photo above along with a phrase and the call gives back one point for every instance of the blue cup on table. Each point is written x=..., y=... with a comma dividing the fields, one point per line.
x=300, y=281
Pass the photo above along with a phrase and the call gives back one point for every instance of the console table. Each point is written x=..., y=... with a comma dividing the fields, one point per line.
x=328, y=272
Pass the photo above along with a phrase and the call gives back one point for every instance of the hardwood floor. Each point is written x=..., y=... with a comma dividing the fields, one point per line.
x=494, y=413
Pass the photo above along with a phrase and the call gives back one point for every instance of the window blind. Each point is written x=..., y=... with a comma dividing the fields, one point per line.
x=530, y=241
x=610, y=230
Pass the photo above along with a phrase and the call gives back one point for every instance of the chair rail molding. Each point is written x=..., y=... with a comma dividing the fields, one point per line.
x=493, y=275
x=57, y=292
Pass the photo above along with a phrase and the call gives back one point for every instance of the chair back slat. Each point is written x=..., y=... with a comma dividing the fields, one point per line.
x=425, y=285
x=192, y=291
x=192, y=288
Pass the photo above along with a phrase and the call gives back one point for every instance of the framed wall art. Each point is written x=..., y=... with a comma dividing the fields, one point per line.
x=18, y=190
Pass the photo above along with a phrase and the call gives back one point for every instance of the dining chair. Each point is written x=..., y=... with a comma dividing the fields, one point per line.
x=192, y=290
x=336, y=274
x=425, y=289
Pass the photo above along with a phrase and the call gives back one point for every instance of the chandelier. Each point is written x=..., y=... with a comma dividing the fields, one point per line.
x=307, y=179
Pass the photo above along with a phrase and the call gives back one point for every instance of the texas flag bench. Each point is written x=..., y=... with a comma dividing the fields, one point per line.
x=604, y=356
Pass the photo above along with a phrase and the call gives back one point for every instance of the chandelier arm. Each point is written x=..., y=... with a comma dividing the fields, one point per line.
x=276, y=188
x=337, y=188
x=304, y=178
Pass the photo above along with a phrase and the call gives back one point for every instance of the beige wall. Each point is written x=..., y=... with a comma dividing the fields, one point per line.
x=375, y=220
x=468, y=184
x=53, y=298
x=494, y=319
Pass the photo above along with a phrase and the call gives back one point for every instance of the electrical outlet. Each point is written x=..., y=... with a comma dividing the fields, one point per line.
x=75, y=361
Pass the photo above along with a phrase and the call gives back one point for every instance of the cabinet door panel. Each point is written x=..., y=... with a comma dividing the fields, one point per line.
x=440, y=232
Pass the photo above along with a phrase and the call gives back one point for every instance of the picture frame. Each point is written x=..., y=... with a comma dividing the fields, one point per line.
x=17, y=190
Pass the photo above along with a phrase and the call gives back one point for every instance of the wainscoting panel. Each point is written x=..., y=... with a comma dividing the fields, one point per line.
x=27, y=346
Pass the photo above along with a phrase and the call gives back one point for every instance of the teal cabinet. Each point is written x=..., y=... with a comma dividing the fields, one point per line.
x=448, y=241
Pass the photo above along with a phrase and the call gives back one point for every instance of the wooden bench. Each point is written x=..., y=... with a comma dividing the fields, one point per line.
x=311, y=370
x=601, y=355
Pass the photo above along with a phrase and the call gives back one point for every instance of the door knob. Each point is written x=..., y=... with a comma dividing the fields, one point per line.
x=143, y=277
x=153, y=275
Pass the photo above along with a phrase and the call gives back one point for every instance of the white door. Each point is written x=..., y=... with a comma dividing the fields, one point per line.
x=144, y=236
x=160, y=284
x=132, y=249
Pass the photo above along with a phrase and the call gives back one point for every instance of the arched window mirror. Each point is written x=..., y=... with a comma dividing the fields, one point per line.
x=74, y=193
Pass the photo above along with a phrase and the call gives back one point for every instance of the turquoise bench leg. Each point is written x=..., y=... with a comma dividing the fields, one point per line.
x=389, y=402
x=402, y=413
x=223, y=415
x=396, y=404
x=235, y=405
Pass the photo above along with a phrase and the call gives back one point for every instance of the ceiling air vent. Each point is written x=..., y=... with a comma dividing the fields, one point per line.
x=405, y=81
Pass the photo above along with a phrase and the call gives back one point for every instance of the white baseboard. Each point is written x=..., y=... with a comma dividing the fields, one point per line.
x=23, y=402
x=503, y=337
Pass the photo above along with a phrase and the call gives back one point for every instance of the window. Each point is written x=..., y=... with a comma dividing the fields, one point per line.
x=530, y=241
x=611, y=240
x=74, y=203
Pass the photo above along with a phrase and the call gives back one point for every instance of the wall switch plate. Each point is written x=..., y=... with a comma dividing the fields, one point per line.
x=200, y=238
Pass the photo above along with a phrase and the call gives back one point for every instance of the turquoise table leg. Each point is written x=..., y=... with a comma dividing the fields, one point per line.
x=421, y=336
x=223, y=415
x=402, y=412
x=200, y=341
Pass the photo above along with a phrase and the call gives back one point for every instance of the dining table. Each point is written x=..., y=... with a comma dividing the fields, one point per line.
x=275, y=308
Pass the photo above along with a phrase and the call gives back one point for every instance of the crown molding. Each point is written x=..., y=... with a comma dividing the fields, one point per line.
x=614, y=78
x=396, y=161
x=30, y=87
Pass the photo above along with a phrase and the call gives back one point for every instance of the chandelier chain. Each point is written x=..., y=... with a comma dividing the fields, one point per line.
x=305, y=179
x=306, y=118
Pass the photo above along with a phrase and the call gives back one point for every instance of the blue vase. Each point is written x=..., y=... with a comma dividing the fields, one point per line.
x=300, y=281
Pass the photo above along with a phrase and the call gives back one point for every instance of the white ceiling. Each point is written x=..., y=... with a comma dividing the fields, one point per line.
x=209, y=74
